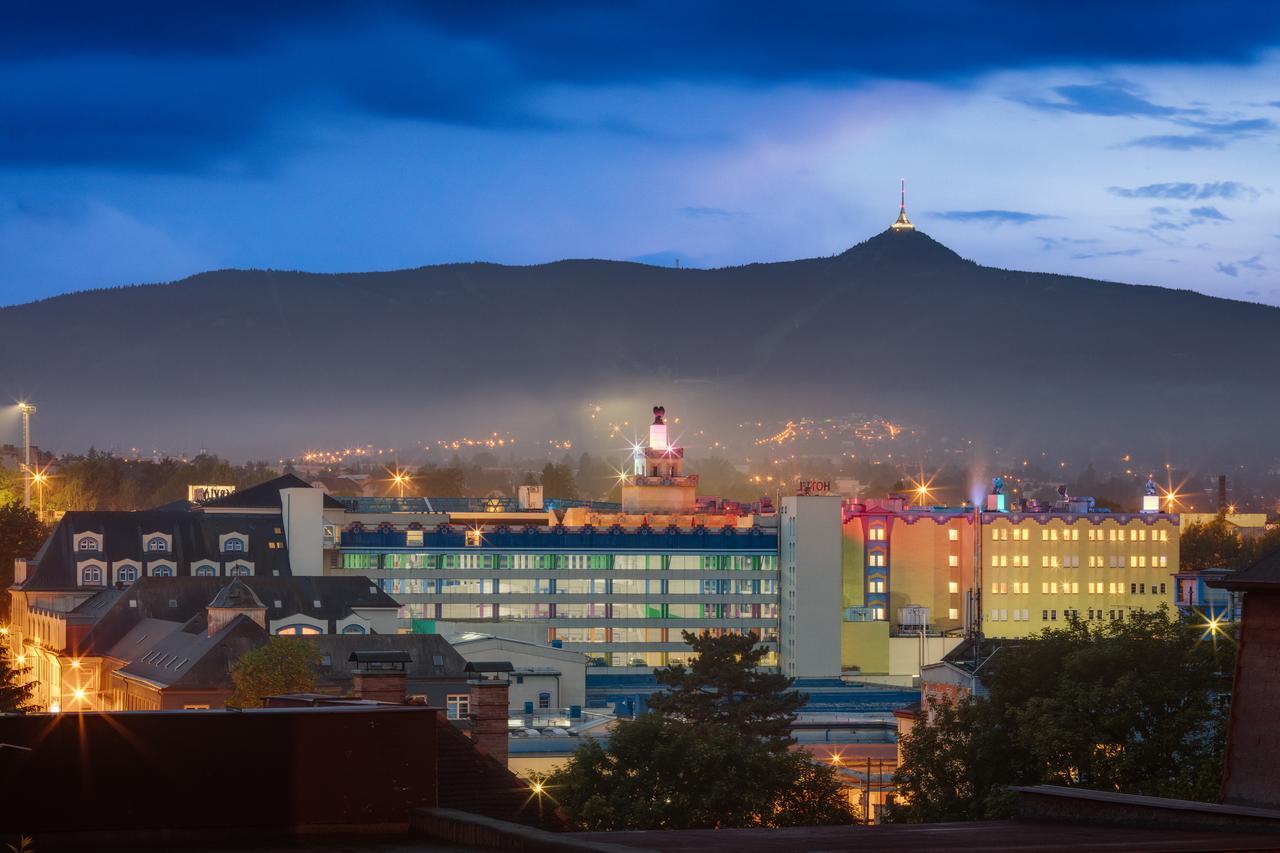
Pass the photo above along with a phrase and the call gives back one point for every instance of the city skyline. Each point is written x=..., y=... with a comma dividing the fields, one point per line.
x=138, y=147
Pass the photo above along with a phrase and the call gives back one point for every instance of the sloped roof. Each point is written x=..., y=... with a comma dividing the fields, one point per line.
x=190, y=658
x=266, y=495
x=236, y=595
x=1263, y=573
x=423, y=650
x=179, y=599
x=195, y=537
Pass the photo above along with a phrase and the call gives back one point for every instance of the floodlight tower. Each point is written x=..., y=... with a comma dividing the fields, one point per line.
x=27, y=410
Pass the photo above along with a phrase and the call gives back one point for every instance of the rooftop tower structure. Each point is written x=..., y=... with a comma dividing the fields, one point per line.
x=657, y=483
x=902, y=223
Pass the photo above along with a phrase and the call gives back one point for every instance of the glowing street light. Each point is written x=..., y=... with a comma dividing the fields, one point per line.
x=27, y=410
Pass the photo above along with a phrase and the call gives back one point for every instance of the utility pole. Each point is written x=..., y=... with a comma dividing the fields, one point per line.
x=27, y=410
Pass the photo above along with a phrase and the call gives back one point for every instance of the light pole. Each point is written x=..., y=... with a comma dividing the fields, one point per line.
x=27, y=410
x=40, y=478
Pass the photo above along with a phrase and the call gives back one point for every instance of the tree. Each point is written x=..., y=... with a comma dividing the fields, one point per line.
x=436, y=482
x=1136, y=706
x=283, y=665
x=557, y=481
x=691, y=763
x=21, y=534
x=725, y=685
x=1213, y=544
x=15, y=697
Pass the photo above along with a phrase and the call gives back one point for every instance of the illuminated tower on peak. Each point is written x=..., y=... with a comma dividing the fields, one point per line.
x=903, y=223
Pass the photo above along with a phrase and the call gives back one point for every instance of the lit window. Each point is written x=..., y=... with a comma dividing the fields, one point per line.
x=877, y=533
x=298, y=631
x=458, y=706
x=474, y=537
x=953, y=535
x=953, y=561
x=953, y=613
x=953, y=587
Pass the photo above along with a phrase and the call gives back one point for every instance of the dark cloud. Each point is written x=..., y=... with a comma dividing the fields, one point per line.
x=1118, y=98
x=992, y=217
x=1184, y=190
x=1209, y=212
x=229, y=86
x=1175, y=142
x=1051, y=243
x=1117, y=253
x=1210, y=135
x=1233, y=268
x=709, y=213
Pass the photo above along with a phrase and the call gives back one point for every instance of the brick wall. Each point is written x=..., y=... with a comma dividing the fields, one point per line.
x=1252, y=772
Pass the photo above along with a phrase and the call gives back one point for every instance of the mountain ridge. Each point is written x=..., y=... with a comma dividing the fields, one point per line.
x=898, y=323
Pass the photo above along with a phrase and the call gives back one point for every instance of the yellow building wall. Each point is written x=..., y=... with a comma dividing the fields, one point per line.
x=924, y=562
x=1037, y=571
x=864, y=646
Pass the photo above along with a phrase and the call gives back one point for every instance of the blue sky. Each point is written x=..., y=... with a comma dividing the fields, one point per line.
x=1134, y=142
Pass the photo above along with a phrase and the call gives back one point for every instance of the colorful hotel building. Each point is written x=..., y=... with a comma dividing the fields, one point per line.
x=913, y=573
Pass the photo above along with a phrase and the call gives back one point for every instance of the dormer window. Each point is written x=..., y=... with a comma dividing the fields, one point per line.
x=157, y=543
x=91, y=575
x=126, y=574
x=205, y=570
x=88, y=543
x=235, y=545
x=161, y=571
x=239, y=570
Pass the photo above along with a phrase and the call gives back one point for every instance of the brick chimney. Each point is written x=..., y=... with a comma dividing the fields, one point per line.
x=489, y=706
x=380, y=675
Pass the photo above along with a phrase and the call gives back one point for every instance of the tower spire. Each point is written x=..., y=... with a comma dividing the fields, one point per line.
x=903, y=223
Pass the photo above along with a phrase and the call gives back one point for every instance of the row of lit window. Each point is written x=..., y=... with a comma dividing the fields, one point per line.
x=592, y=610
x=617, y=562
x=1073, y=588
x=1072, y=561
x=576, y=586
x=1054, y=534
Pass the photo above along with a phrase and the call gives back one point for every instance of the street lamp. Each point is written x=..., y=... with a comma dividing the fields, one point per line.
x=40, y=478
x=27, y=410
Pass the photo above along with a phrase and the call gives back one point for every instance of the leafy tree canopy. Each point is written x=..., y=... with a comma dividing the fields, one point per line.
x=15, y=696
x=21, y=535
x=711, y=753
x=1137, y=706
x=283, y=665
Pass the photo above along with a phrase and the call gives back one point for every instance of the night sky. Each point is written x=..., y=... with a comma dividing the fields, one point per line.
x=143, y=142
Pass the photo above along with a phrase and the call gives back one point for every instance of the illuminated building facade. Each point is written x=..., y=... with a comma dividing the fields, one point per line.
x=913, y=574
x=619, y=584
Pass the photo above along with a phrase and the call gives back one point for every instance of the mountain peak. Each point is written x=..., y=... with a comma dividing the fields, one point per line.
x=903, y=246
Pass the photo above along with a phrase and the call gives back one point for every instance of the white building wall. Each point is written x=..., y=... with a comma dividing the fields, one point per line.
x=302, y=512
x=809, y=563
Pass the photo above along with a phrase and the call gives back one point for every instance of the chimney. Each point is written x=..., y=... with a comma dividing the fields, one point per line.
x=380, y=676
x=1222, y=492
x=489, y=706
